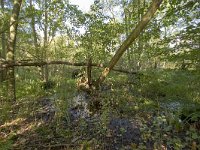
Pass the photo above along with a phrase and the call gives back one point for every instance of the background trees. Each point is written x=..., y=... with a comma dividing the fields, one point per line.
x=10, y=54
x=57, y=30
x=154, y=73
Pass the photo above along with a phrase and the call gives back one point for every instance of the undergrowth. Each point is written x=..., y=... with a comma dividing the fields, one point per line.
x=154, y=100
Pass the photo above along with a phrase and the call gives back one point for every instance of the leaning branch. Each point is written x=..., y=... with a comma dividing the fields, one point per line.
x=133, y=35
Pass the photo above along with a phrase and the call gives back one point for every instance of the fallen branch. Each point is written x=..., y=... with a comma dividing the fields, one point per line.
x=8, y=64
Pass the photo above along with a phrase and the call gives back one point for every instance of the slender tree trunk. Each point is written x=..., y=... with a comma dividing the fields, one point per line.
x=3, y=43
x=34, y=31
x=134, y=34
x=3, y=36
x=35, y=40
x=89, y=71
x=45, y=68
x=11, y=48
x=140, y=38
x=127, y=22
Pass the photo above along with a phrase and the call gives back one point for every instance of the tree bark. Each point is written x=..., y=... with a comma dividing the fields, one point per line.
x=89, y=71
x=127, y=22
x=3, y=43
x=45, y=71
x=134, y=34
x=140, y=38
x=5, y=64
x=3, y=36
x=11, y=48
x=34, y=31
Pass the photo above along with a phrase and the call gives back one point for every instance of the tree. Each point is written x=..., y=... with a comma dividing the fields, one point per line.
x=134, y=34
x=3, y=44
x=11, y=48
x=45, y=71
x=35, y=38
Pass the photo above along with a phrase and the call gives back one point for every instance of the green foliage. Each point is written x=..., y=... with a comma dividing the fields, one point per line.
x=6, y=145
x=170, y=85
x=190, y=113
x=169, y=44
x=5, y=111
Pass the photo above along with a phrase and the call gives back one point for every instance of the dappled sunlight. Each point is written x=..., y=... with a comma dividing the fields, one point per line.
x=17, y=121
x=29, y=127
x=20, y=126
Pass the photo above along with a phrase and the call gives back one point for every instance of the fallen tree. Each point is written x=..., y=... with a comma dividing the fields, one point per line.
x=7, y=64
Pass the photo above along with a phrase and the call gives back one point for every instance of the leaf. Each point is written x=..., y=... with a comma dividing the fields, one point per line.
x=194, y=136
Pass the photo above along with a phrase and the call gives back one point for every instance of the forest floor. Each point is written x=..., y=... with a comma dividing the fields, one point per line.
x=116, y=129
x=126, y=121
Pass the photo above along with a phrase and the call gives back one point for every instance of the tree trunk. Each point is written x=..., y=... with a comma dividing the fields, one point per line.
x=3, y=43
x=134, y=34
x=127, y=22
x=139, y=39
x=35, y=40
x=45, y=70
x=89, y=71
x=11, y=48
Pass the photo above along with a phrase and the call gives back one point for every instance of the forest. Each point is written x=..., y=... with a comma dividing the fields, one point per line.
x=124, y=75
